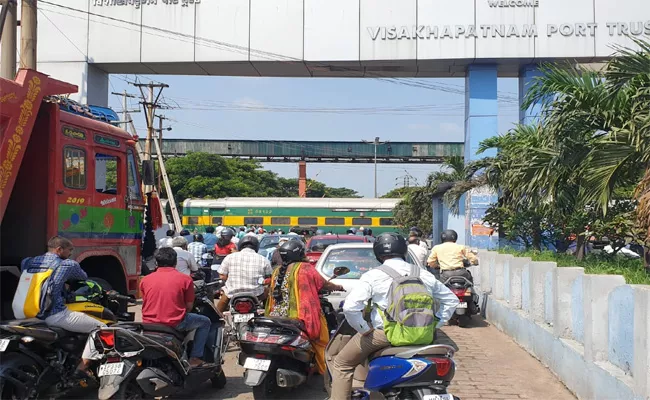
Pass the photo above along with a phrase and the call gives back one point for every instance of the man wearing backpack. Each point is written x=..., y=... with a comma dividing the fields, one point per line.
x=385, y=285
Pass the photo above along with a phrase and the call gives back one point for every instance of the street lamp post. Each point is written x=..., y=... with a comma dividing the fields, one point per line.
x=376, y=142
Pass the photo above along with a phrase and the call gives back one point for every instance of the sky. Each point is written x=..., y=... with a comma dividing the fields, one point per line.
x=336, y=109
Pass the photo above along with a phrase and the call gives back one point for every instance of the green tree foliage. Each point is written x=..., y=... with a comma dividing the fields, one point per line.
x=399, y=192
x=203, y=175
x=584, y=170
x=416, y=207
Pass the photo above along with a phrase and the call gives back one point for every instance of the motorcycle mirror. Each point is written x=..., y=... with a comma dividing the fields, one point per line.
x=340, y=271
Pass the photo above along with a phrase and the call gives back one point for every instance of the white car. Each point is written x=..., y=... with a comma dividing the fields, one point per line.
x=359, y=257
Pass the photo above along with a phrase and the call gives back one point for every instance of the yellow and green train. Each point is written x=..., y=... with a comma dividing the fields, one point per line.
x=331, y=215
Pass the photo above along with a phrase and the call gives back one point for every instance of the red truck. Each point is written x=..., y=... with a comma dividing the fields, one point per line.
x=62, y=173
x=316, y=245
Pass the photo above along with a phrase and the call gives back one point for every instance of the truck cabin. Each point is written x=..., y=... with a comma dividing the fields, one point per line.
x=79, y=179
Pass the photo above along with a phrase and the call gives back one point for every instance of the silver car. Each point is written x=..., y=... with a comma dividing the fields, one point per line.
x=359, y=257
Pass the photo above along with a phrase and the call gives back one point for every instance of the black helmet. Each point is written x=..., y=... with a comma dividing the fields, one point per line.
x=448, y=235
x=292, y=250
x=227, y=232
x=250, y=242
x=390, y=244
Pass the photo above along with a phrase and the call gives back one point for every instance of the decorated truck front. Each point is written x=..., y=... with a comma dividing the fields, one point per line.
x=66, y=173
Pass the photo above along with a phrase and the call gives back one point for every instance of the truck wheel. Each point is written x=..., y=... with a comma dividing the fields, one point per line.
x=105, y=285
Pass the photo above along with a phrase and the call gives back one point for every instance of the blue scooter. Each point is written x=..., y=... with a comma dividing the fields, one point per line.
x=409, y=372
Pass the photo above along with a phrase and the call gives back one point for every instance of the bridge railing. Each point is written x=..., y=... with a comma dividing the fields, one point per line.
x=592, y=331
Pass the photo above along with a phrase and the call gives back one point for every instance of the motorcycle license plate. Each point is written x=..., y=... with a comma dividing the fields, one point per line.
x=242, y=317
x=257, y=364
x=462, y=305
x=3, y=344
x=111, y=369
x=438, y=397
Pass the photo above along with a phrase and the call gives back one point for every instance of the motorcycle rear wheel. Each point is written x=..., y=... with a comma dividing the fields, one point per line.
x=22, y=363
x=129, y=390
x=268, y=389
x=219, y=380
x=463, y=320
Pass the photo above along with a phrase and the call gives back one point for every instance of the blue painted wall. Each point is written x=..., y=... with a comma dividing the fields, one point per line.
x=548, y=297
x=525, y=289
x=621, y=328
x=577, y=310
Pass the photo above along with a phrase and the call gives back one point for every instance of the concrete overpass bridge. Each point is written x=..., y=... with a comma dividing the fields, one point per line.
x=312, y=151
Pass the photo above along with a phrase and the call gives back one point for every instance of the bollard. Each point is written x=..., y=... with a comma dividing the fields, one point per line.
x=563, y=279
x=641, y=370
x=515, y=272
x=537, y=287
x=596, y=290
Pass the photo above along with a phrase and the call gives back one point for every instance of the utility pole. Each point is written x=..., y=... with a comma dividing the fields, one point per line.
x=126, y=118
x=8, y=28
x=150, y=104
x=160, y=129
x=28, y=31
x=161, y=167
x=376, y=142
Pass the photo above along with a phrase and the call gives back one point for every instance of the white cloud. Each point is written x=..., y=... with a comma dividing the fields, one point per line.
x=450, y=130
x=249, y=102
x=418, y=127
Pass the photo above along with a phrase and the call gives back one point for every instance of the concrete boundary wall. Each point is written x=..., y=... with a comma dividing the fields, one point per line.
x=592, y=331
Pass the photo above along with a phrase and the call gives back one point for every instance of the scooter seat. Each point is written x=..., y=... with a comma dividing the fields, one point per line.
x=391, y=351
x=289, y=323
x=24, y=322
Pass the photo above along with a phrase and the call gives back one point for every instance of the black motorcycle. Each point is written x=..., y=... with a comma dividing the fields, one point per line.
x=151, y=359
x=37, y=361
x=276, y=352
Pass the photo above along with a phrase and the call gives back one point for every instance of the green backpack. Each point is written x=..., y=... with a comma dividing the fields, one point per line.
x=409, y=319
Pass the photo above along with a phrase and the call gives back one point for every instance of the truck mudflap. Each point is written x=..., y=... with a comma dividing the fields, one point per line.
x=110, y=384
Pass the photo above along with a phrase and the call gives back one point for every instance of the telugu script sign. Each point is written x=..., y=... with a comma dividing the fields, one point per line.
x=138, y=3
x=505, y=31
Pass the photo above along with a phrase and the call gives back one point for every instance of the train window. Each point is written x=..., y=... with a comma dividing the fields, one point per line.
x=386, y=222
x=74, y=164
x=253, y=220
x=334, y=221
x=361, y=221
x=307, y=221
x=280, y=220
x=106, y=167
x=192, y=220
x=132, y=176
x=217, y=220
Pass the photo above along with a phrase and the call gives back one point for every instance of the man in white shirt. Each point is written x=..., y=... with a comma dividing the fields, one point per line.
x=390, y=249
x=244, y=271
x=420, y=252
x=185, y=263
x=167, y=241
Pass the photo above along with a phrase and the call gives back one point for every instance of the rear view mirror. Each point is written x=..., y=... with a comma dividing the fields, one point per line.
x=340, y=271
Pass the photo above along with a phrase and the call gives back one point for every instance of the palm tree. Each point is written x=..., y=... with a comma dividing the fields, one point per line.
x=416, y=207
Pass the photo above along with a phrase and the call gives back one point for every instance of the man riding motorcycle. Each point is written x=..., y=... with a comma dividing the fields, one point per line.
x=244, y=271
x=390, y=249
x=52, y=303
x=168, y=298
x=450, y=257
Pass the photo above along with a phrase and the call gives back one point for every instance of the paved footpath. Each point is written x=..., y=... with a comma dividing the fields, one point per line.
x=489, y=366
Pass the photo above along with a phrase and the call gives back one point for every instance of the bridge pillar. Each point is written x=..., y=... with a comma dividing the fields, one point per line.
x=526, y=77
x=481, y=122
x=92, y=82
x=302, y=179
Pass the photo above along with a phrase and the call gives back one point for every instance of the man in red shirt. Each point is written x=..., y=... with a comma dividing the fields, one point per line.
x=168, y=298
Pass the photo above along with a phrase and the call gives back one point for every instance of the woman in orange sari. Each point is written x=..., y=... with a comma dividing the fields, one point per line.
x=294, y=287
